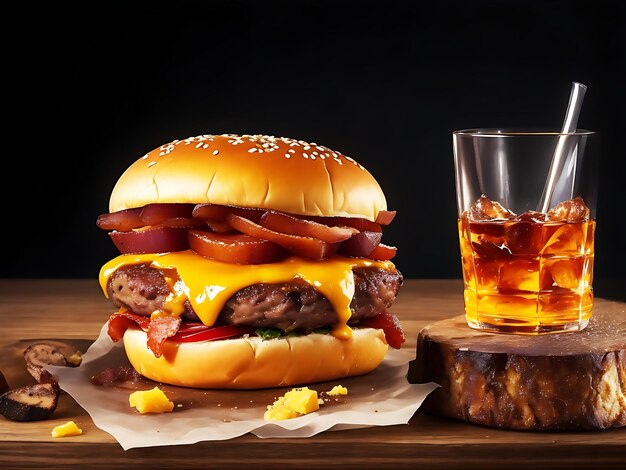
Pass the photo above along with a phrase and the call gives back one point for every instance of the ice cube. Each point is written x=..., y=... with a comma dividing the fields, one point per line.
x=573, y=210
x=567, y=273
x=519, y=275
x=524, y=237
x=532, y=216
x=565, y=239
x=486, y=209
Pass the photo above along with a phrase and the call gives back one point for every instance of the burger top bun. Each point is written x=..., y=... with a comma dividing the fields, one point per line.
x=256, y=171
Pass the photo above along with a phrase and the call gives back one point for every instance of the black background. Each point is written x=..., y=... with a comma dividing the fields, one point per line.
x=90, y=91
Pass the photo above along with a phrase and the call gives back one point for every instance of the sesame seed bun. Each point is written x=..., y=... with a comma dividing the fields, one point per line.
x=254, y=171
x=249, y=362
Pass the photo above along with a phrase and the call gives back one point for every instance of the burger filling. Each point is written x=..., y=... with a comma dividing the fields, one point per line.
x=289, y=306
x=196, y=272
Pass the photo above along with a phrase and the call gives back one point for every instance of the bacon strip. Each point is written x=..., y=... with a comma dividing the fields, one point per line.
x=121, y=321
x=389, y=323
x=158, y=330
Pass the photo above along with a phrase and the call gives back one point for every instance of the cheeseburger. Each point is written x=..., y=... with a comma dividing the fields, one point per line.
x=250, y=261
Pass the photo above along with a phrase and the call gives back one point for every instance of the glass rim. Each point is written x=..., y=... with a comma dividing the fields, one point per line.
x=513, y=132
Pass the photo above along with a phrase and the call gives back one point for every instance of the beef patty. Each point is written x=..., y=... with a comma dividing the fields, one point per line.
x=293, y=305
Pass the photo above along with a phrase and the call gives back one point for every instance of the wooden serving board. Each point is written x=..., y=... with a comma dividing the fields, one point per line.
x=557, y=382
x=75, y=310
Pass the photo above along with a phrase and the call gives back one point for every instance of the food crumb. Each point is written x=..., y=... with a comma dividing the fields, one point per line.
x=68, y=429
x=338, y=390
x=150, y=401
x=296, y=402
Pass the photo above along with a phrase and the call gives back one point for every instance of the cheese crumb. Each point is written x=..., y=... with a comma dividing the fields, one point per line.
x=296, y=402
x=67, y=429
x=338, y=390
x=151, y=401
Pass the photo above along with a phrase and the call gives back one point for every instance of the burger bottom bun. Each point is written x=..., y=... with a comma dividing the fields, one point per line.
x=247, y=363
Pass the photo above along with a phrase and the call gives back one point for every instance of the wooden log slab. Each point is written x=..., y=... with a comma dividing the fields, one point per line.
x=558, y=382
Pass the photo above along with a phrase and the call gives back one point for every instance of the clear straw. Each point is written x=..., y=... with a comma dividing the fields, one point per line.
x=562, y=151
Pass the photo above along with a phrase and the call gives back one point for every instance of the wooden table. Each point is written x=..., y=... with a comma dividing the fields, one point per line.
x=76, y=309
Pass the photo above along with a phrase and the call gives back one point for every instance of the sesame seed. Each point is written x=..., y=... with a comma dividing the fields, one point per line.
x=312, y=157
x=205, y=146
x=252, y=150
x=305, y=155
x=290, y=150
x=151, y=164
x=215, y=152
x=287, y=155
x=145, y=156
x=307, y=147
x=198, y=145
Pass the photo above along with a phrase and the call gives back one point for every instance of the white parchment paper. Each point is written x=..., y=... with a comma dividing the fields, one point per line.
x=381, y=398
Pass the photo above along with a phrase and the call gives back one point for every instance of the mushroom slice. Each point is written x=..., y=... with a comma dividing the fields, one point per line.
x=30, y=403
x=52, y=353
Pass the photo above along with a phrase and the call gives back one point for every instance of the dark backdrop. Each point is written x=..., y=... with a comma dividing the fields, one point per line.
x=92, y=90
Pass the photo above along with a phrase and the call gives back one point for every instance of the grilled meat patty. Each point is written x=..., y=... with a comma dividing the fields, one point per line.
x=293, y=305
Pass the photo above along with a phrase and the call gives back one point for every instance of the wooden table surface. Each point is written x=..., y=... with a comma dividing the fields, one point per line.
x=76, y=309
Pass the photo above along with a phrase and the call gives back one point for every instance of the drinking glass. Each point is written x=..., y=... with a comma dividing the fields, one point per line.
x=527, y=242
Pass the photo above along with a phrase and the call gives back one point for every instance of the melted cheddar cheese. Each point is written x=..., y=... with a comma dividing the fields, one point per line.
x=208, y=284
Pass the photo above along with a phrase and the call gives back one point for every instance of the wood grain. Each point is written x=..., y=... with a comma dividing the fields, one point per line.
x=75, y=310
x=558, y=382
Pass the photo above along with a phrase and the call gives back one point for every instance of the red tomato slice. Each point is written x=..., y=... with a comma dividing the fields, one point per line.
x=385, y=217
x=152, y=240
x=383, y=252
x=122, y=220
x=153, y=214
x=284, y=223
x=390, y=324
x=306, y=247
x=210, y=333
x=234, y=248
x=163, y=329
x=361, y=244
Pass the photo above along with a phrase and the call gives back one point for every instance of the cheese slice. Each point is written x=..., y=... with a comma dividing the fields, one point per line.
x=208, y=284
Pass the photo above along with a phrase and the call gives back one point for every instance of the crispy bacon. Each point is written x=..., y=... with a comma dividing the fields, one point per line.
x=158, y=329
x=165, y=227
x=385, y=217
x=389, y=323
x=122, y=320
